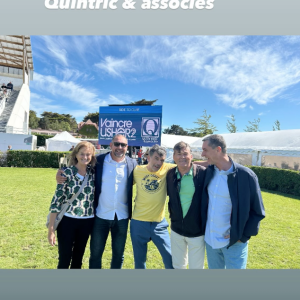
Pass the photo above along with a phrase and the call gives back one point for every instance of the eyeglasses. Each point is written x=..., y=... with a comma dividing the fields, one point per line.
x=123, y=145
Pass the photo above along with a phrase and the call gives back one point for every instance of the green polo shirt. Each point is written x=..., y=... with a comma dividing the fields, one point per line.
x=186, y=190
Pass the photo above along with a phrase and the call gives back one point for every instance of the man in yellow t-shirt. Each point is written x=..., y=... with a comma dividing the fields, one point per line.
x=148, y=221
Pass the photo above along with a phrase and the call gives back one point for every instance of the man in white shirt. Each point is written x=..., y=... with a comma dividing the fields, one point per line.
x=113, y=203
x=232, y=207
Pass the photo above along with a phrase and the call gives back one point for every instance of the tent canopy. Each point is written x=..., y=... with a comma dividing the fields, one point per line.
x=170, y=140
x=267, y=140
x=279, y=141
x=61, y=142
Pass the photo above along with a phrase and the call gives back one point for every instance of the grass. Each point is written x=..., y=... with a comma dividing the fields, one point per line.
x=24, y=202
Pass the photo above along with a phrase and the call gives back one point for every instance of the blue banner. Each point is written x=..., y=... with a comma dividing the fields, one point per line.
x=141, y=125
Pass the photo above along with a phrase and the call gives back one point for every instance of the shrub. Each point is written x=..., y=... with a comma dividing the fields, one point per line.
x=2, y=159
x=34, y=159
x=89, y=131
x=280, y=180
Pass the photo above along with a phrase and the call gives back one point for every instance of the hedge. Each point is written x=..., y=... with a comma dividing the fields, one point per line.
x=34, y=159
x=279, y=180
x=273, y=179
x=2, y=159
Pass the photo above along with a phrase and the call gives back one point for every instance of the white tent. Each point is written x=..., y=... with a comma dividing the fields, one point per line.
x=261, y=146
x=168, y=141
x=266, y=140
x=61, y=142
x=256, y=148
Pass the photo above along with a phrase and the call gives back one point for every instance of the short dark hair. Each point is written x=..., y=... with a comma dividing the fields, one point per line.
x=216, y=140
x=161, y=151
x=180, y=146
x=119, y=135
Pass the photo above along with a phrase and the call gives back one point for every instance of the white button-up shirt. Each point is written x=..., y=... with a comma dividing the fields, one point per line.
x=219, y=210
x=113, y=197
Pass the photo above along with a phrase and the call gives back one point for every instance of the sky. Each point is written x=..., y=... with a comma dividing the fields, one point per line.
x=249, y=77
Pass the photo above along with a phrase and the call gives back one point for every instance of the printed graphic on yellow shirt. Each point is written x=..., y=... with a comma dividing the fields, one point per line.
x=151, y=183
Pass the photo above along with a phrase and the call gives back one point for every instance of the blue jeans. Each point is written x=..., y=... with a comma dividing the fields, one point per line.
x=233, y=258
x=141, y=233
x=99, y=236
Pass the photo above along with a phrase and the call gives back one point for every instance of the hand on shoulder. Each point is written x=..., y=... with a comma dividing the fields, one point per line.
x=60, y=176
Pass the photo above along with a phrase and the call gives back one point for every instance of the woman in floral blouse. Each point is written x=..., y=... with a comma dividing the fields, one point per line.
x=75, y=227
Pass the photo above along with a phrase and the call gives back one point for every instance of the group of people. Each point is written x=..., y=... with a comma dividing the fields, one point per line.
x=214, y=205
x=5, y=90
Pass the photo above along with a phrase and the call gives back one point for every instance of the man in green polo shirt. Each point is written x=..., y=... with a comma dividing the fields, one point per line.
x=184, y=187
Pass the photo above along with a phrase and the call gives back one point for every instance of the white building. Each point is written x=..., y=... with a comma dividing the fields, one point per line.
x=16, y=67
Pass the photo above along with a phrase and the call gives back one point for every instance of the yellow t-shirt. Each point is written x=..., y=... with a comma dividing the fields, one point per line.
x=151, y=193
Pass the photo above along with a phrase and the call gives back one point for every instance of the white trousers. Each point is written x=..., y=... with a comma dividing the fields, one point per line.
x=186, y=251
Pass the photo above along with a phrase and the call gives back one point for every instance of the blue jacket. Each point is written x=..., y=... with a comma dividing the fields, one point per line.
x=131, y=164
x=247, y=205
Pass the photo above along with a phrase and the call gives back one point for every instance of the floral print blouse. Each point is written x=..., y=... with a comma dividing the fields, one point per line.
x=83, y=205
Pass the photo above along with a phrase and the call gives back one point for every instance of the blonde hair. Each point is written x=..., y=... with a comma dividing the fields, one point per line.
x=73, y=160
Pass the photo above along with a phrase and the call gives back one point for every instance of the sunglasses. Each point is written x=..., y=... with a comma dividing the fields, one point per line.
x=123, y=145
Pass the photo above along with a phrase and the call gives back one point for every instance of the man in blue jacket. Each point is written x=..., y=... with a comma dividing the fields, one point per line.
x=113, y=202
x=232, y=207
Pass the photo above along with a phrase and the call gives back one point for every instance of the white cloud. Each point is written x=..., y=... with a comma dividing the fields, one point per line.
x=70, y=73
x=77, y=94
x=115, y=100
x=114, y=67
x=55, y=50
x=39, y=104
x=292, y=39
x=237, y=69
x=81, y=100
x=233, y=67
x=261, y=114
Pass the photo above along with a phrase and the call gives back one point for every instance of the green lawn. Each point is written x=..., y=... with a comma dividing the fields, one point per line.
x=24, y=202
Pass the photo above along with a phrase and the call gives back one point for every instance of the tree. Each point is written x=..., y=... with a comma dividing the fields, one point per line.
x=231, y=125
x=44, y=123
x=33, y=120
x=56, y=121
x=73, y=124
x=55, y=125
x=277, y=125
x=176, y=130
x=204, y=126
x=65, y=126
x=254, y=126
x=94, y=117
x=143, y=102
